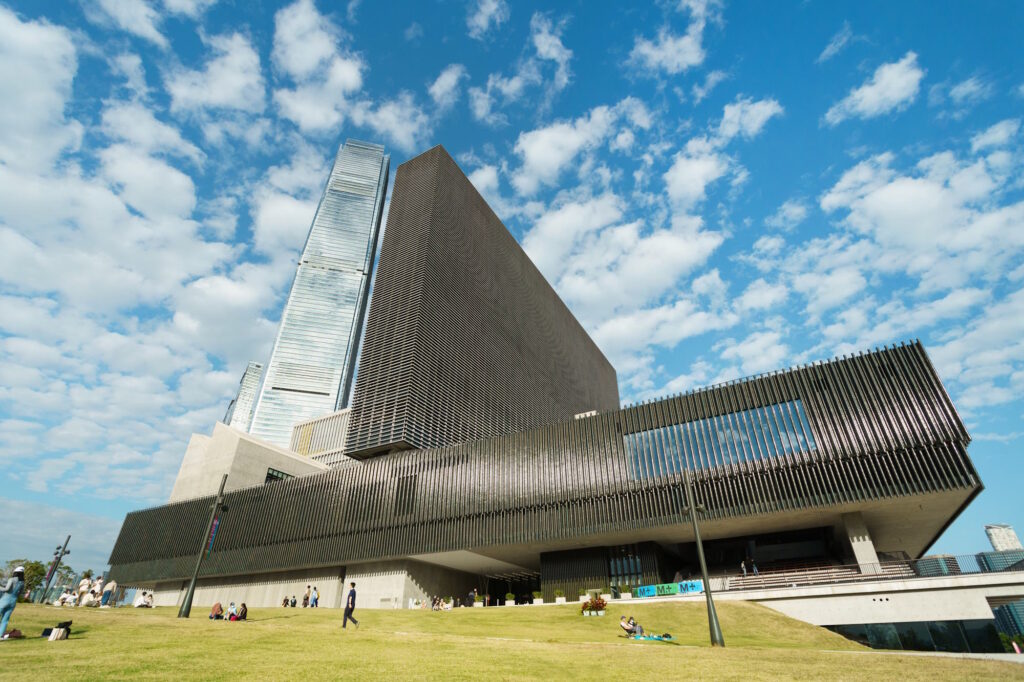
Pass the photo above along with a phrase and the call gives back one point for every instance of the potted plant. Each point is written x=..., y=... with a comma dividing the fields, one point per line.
x=606, y=593
x=598, y=605
x=583, y=596
x=510, y=599
x=559, y=596
x=479, y=601
x=585, y=608
x=538, y=597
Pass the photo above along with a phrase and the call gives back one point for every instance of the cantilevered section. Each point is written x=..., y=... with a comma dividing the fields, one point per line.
x=311, y=368
x=465, y=338
x=872, y=438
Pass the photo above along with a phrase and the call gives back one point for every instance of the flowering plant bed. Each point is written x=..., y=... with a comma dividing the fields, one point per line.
x=593, y=606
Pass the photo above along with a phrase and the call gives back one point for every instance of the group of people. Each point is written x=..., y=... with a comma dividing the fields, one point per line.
x=89, y=593
x=233, y=613
x=143, y=600
x=632, y=628
x=311, y=598
x=748, y=564
x=437, y=604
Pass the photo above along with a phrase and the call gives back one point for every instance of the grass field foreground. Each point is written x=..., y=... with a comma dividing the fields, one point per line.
x=522, y=643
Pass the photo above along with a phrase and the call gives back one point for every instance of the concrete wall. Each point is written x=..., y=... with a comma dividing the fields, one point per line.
x=962, y=597
x=244, y=458
x=260, y=590
x=391, y=584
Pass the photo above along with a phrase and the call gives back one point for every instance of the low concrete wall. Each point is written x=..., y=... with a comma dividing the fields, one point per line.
x=255, y=590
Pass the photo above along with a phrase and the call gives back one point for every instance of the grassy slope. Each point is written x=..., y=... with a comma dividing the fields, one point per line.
x=515, y=643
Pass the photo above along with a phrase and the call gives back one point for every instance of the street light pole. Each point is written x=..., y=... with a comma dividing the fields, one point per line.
x=186, y=606
x=58, y=555
x=692, y=508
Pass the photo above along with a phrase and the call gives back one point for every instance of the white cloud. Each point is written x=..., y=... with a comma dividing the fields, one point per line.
x=554, y=236
x=711, y=81
x=401, y=121
x=413, y=32
x=760, y=352
x=37, y=66
x=690, y=174
x=761, y=295
x=893, y=87
x=231, y=80
x=791, y=213
x=840, y=40
x=148, y=185
x=969, y=91
x=673, y=53
x=189, y=8
x=135, y=124
x=137, y=17
x=546, y=43
x=746, y=117
x=670, y=53
x=304, y=40
x=998, y=135
x=546, y=151
x=445, y=88
x=484, y=15
x=129, y=66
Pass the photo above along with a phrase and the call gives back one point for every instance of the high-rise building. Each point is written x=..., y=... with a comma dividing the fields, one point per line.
x=323, y=438
x=465, y=338
x=312, y=364
x=1003, y=537
x=239, y=414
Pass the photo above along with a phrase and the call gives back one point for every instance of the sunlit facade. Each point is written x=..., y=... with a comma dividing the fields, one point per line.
x=312, y=364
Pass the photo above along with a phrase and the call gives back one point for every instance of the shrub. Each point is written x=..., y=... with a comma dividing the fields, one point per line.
x=537, y=594
x=559, y=593
x=509, y=596
x=479, y=597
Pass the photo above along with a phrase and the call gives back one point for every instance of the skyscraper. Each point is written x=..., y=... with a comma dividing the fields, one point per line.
x=239, y=414
x=465, y=338
x=311, y=367
x=1002, y=537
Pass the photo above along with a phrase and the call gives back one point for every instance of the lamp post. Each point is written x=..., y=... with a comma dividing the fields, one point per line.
x=218, y=506
x=692, y=508
x=58, y=554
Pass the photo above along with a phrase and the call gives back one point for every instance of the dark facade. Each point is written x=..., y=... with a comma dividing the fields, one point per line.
x=465, y=338
x=876, y=432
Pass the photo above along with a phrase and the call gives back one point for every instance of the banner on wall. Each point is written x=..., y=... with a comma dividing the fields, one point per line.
x=668, y=589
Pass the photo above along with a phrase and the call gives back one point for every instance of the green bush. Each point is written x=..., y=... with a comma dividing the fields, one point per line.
x=537, y=594
x=559, y=593
x=509, y=596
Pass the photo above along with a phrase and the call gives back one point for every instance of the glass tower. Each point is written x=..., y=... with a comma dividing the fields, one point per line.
x=310, y=370
x=239, y=414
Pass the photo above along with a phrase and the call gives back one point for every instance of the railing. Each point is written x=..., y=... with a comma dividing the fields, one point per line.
x=926, y=567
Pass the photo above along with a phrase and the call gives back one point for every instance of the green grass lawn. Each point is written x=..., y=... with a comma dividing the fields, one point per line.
x=544, y=643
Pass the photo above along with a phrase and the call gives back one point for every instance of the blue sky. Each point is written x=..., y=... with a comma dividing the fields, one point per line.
x=715, y=189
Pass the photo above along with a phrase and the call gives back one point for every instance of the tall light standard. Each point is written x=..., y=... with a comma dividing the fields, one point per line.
x=218, y=506
x=692, y=509
x=58, y=555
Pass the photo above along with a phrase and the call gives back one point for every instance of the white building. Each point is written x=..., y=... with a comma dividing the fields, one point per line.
x=1003, y=537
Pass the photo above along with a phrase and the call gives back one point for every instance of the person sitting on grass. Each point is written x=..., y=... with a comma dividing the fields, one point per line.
x=243, y=612
x=632, y=628
x=232, y=611
x=217, y=612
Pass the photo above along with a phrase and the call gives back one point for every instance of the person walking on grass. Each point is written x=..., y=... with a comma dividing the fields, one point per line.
x=9, y=597
x=350, y=606
x=314, y=598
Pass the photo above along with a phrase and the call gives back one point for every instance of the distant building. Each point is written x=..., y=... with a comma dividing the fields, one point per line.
x=312, y=364
x=938, y=565
x=1010, y=617
x=239, y=414
x=1003, y=537
x=999, y=561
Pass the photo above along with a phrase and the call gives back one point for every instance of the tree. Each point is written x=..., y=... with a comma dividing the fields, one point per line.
x=35, y=572
x=87, y=573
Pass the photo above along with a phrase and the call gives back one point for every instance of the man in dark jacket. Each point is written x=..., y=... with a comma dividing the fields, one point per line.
x=350, y=606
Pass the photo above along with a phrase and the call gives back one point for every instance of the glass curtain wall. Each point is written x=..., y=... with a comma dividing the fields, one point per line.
x=312, y=364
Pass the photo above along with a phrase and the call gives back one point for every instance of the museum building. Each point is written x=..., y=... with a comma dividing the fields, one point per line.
x=485, y=449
